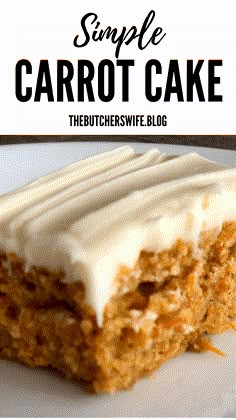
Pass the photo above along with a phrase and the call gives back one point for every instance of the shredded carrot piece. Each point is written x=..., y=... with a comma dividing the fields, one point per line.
x=171, y=322
x=232, y=326
x=191, y=285
x=205, y=345
x=166, y=356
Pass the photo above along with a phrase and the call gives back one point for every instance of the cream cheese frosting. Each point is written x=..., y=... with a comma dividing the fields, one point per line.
x=91, y=217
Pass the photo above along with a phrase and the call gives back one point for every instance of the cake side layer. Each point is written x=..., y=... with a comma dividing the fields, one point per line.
x=163, y=305
x=99, y=214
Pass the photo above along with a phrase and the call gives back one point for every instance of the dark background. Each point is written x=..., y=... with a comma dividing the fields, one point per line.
x=222, y=142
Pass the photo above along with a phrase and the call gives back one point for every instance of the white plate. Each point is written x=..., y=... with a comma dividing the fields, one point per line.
x=192, y=385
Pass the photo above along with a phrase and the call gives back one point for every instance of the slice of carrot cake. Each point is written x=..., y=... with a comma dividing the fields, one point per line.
x=112, y=265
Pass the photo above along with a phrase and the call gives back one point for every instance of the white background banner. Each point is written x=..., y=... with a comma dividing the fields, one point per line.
x=188, y=88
